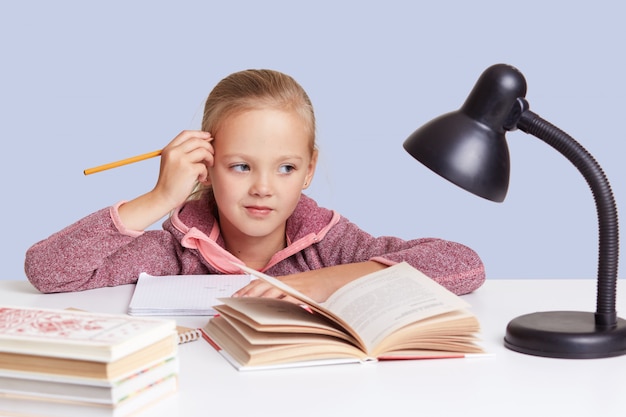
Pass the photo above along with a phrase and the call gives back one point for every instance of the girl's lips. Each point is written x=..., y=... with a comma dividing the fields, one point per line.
x=258, y=210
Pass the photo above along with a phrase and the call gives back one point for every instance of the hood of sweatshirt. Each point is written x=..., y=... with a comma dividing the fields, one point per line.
x=199, y=229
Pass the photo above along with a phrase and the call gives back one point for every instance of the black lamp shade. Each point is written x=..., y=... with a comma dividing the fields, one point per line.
x=465, y=152
x=468, y=146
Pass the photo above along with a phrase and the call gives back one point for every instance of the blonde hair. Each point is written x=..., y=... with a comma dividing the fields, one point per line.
x=256, y=89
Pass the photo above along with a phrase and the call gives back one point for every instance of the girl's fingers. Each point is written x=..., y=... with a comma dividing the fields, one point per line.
x=188, y=134
x=258, y=288
x=191, y=140
x=184, y=161
x=189, y=148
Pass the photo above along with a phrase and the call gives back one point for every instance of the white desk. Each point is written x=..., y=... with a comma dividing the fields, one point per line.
x=508, y=383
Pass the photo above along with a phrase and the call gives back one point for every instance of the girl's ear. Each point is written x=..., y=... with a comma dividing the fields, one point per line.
x=310, y=170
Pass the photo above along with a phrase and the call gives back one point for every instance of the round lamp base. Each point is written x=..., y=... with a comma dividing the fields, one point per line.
x=565, y=334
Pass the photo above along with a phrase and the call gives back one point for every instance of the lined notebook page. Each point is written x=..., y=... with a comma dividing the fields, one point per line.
x=182, y=295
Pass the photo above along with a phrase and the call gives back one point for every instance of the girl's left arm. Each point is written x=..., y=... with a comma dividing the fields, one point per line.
x=318, y=284
x=347, y=253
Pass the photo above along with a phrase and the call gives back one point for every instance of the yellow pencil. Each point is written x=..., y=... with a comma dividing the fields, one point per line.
x=122, y=162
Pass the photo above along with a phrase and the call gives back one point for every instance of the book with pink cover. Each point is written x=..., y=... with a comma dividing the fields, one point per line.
x=98, y=337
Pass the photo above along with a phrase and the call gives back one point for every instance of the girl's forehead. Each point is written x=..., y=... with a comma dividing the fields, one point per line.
x=263, y=126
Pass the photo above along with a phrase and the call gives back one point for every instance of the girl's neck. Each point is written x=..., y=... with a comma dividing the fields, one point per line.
x=254, y=252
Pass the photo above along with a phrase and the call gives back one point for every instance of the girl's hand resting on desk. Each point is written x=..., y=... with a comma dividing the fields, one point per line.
x=302, y=282
x=317, y=284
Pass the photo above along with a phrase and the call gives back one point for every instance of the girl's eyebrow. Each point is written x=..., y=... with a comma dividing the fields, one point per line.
x=251, y=156
x=295, y=156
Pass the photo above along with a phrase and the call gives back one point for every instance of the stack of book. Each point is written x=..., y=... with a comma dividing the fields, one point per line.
x=57, y=362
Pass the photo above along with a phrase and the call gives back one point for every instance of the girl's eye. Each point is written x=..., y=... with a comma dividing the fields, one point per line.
x=286, y=169
x=240, y=167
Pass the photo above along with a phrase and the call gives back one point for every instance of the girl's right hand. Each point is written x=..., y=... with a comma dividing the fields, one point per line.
x=184, y=161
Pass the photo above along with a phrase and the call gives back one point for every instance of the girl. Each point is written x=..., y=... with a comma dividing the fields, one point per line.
x=235, y=196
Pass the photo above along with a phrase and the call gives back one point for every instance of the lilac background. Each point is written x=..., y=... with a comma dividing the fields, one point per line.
x=85, y=83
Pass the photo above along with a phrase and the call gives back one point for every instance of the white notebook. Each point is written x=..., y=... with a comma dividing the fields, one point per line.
x=182, y=295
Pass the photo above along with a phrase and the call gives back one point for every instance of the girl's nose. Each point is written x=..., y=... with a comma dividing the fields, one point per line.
x=261, y=186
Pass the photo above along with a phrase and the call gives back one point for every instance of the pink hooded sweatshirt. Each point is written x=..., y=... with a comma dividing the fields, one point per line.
x=98, y=251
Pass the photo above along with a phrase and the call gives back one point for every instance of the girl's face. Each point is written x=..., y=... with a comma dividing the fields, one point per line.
x=262, y=162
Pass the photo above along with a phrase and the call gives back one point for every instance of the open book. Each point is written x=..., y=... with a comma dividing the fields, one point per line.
x=394, y=313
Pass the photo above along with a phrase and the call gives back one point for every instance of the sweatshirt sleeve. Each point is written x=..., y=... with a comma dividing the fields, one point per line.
x=451, y=264
x=94, y=252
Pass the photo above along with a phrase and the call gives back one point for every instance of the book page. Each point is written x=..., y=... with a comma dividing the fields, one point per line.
x=309, y=302
x=378, y=304
x=374, y=306
x=187, y=295
x=271, y=316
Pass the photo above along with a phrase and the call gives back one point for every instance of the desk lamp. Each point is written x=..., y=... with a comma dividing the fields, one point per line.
x=468, y=148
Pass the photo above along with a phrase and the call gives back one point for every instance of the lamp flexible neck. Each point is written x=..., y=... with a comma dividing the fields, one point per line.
x=606, y=208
